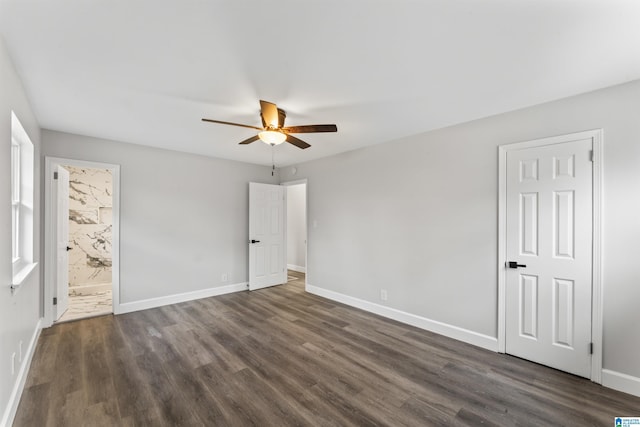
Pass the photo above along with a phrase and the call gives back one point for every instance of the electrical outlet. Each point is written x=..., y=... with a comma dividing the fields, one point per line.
x=383, y=294
x=13, y=364
x=20, y=352
x=224, y=277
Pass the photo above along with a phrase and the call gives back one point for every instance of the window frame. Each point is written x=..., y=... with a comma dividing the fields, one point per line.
x=16, y=201
x=23, y=169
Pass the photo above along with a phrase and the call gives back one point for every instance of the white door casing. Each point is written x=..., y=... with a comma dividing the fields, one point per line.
x=549, y=229
x=267, y=262
x=51, y=232
x=62, y=256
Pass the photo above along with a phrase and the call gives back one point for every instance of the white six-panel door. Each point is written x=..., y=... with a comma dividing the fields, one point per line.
x=267, y=265
x=549, y=237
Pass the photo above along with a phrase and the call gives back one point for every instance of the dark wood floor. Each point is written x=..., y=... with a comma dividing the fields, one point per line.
x=279, y=357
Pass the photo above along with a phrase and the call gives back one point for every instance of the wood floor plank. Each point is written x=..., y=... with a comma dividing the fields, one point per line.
x=42, y=367
x=169, y=400
x=102, y=414
x=96, y=375
x=429, y=413
x=72, y=411
x=132, y=393
x=192, y=351
x=201, y=402
x=281, y=356
x=34, y=406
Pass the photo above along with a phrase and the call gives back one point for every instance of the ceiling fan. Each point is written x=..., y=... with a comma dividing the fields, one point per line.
x=273, y=131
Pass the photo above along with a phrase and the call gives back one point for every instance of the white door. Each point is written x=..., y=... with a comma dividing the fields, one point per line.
x=549, y=245
x=266, y=236
x=62, y=233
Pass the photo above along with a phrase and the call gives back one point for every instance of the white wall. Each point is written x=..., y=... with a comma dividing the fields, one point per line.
x=20, y=311
x=418, y=217
x=296, y=227
x=183, y=220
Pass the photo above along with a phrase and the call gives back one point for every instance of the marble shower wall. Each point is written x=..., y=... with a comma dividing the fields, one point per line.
x=90, y=203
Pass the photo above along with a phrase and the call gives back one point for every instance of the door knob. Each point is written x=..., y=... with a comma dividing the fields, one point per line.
x=254, y=241
x=514, y=264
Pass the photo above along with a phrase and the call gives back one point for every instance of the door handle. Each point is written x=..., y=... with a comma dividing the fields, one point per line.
x=514, y=264
x=69, y=248
x=254, y=241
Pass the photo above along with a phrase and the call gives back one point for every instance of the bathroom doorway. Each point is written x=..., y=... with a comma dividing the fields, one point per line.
x=90, y=241
x=81, y=229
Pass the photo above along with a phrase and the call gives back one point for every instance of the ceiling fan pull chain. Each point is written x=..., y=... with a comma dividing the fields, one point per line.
x=273, y=159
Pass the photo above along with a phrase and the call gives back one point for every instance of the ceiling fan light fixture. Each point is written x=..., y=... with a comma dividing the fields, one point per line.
x=272, y=137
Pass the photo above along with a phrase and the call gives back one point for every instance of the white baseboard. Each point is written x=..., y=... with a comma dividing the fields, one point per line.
x=297, y=268
x=129, y=307
x=16, y=393
x=621, y=382
x=460, y=334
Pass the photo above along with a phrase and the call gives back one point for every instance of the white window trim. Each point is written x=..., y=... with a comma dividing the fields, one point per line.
x=15, y=201
x=22, y=202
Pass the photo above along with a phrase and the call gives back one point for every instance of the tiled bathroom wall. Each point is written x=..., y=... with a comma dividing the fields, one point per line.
x=90, y=224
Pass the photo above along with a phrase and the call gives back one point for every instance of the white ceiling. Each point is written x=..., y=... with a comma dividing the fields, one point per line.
x=147, y=71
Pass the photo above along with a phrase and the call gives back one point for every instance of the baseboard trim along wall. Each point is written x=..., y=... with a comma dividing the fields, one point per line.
x=460, y=334
x=174, y=299
x=297, y=268
x=621, y=382
x=18, y=387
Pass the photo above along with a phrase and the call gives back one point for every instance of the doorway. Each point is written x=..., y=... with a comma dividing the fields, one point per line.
x=296, y=231
x=89, y=243
x=81, y=239
x=549, y=291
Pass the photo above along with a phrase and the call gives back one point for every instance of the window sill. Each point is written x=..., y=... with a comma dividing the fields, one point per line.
x=22, y=274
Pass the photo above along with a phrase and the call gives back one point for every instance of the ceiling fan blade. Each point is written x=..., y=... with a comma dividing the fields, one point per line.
x=232, y=124
x=250, y=140
x=281, y=116
x=269, y=114
x=311, y=129
x=297, y=142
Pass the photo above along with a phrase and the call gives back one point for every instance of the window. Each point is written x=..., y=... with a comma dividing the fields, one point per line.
x=15, y=200
x=22, y=162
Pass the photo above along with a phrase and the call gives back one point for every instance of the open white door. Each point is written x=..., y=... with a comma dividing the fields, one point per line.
x=266, y=236
x=549, y=200
x=62, y=239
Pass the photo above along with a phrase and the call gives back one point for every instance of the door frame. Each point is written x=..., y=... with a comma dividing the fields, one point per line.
x=49, y=288
x=596, y=136
x=306, y=224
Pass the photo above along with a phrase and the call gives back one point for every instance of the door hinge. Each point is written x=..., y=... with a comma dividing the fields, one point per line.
x=590, y=348
x=55, y=301
x=591, y=155
x=55, y=175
